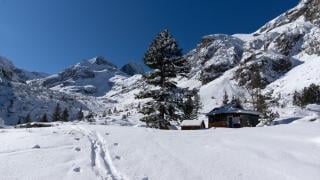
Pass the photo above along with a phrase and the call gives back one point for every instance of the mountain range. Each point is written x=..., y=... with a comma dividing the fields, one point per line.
x=286, y=50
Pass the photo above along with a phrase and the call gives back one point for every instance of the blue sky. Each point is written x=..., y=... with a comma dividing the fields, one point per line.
x=49, y=35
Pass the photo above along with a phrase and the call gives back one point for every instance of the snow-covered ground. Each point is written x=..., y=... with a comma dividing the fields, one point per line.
x=114, y=152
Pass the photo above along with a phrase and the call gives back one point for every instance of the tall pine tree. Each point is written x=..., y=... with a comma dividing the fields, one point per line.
x=65, y=115
x=27, y=119
x=56, y=116
x=44, y=118
x=225, y=98
x=80, y=115
x=165, y=58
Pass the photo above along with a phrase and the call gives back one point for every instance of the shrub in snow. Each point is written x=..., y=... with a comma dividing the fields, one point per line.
x=36, y=147
x=309, y=95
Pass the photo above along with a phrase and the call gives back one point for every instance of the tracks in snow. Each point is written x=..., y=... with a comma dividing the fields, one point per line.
x=101, y=160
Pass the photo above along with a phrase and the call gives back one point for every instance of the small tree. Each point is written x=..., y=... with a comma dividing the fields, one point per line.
x=192, y=105
x=188, y=108
x=65, y=115
x=115, y=111
x=57, y=113
x=236, y=101
x=225, y=98
x=27, y=119
x=44, y=118
x=109, y=112
x=104, y=114
x=80, y=115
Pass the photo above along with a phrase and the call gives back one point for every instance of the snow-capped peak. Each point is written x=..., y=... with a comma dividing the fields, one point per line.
x=308, y=10
x=99, y=60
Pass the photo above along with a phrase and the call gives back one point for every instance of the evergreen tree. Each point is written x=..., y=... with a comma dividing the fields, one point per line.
x=44, y=118
x=104, y=114
x=65, y=115
x=56, y=116
x=109, y=111
x=225, y=98
x=309, y=95
x=80, y=115
x=192, y=105
x=19, y=121
x=115, y=111
x=236, y=101
x=165, y=58
x=188, y=108
x=27, y=119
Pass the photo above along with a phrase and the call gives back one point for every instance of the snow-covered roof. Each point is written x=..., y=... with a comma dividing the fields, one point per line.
x=192, y=122
x=232, y=109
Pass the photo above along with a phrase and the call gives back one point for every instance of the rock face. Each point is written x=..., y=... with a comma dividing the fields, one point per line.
x=8, y=72
x=132, y=69
x=309, y=10
x=273, y=47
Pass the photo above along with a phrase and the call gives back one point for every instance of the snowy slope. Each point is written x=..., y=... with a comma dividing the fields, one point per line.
x=89, y=77
x=286, y=49
x=285, y=152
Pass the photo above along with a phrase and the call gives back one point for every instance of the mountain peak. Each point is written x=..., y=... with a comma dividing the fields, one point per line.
x=99, y=60
x=132, y=69
x=306, y=10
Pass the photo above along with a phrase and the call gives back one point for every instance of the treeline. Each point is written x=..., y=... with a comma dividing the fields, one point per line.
x=57, y=115
x=309, y=95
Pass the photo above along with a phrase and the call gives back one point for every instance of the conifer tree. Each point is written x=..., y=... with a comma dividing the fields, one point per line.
x=192, y=105
x=44, y=118
x=57, y=113
x=236, y=101
x=109, y=112
x=225, y=98
x=27, y=119
x=165, y=58
x=65, y=115
x=80, y=115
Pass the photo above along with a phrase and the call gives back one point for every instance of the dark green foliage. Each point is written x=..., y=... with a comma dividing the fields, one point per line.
x=192, y=105
x=225, y=98
x=80, y=115
x=309, y=95
x=236, y=102
x=56, y=116
x=44, y=118
x=165, y=58
x=109, y=111
x=90, y=117
x=260, y=102
x=27, y=119
x=65, y=115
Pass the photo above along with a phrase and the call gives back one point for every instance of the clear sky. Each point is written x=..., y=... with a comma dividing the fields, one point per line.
x=49, y=35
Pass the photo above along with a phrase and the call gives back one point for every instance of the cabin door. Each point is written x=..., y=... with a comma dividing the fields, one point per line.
x=230, y=121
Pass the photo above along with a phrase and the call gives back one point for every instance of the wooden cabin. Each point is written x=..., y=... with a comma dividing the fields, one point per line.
x=232, y=116
x=192, y=125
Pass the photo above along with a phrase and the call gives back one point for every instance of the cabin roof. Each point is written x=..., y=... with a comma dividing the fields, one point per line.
x=192, y=122
x=228, y=109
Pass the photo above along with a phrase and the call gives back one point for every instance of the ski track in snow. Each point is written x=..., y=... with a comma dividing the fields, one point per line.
x=101, y=160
